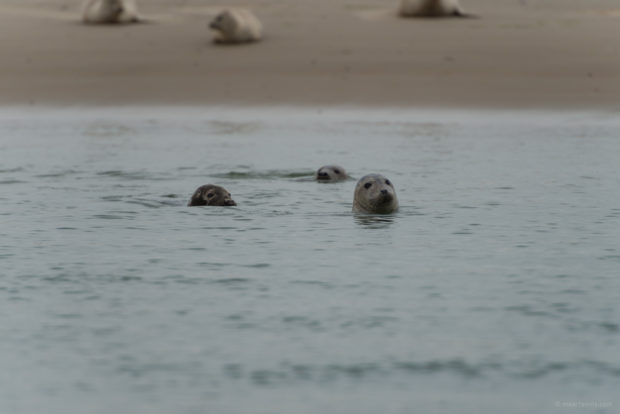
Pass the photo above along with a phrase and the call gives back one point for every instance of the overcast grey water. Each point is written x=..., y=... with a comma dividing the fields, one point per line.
x=495, y=288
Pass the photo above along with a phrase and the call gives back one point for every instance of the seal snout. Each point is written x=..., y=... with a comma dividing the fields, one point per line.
x=230, y=202
x=322, y=175
x=385, y=196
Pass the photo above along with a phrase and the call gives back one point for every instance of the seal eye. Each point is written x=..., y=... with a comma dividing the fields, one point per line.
x=337, y=171
x=210, y=195
x=367, y=185
x=388, y=182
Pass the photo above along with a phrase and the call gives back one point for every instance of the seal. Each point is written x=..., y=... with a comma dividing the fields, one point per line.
x=236, y=26
x=330, y=174
x=431, y=8
x=211, y=195
x=375, y=194
x=110, y=11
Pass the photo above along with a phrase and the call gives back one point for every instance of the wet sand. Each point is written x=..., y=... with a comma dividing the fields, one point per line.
x=552, y=54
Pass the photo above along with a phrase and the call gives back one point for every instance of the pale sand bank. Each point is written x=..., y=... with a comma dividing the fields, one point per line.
x=517, y=54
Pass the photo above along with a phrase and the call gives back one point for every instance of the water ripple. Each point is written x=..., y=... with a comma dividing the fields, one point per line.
x=12, y=182
x=265, y=175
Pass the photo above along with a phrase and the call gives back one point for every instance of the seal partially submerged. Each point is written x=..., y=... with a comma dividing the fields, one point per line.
x=211, y=195
x=431, y=8
x=236, y=26
x=375, y=194
x=330, y=174
x=110, y=11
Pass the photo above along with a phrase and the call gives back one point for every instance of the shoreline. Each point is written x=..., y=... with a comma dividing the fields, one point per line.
x=287, y=114
x=528, y=55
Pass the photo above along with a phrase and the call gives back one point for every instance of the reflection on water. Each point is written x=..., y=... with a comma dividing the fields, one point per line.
x=374, y=221
x=493, y=289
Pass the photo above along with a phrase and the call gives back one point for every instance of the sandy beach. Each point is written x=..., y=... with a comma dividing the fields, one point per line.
x=554, y=54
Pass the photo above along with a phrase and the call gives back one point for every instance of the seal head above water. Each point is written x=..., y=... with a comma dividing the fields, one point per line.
x=375, y=194
x=330, y=174
x=211, y=195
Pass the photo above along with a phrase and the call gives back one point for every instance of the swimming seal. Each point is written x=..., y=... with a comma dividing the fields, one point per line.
x=431, y=8
x=110, y=11
x=211, y=195
x=330, y=174
x=374, y=194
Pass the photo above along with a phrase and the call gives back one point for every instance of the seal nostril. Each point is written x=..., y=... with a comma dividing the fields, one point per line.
x=384, y=191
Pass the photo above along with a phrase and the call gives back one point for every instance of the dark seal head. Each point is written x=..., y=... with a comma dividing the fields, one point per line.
x=330, y=174
x=211, y=195
x=375, y=194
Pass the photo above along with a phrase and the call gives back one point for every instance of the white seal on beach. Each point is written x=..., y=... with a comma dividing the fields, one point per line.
x=110, y=11
x=330, y=174
x=375, y=194
x=211, y=195
x=236, y=26
x=430, y=8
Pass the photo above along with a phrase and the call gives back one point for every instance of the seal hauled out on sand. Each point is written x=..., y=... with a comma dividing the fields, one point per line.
x=375, y=194
x=211, y=195
x=431, y=8
x=330, y=174
x=110, y=11
x=236, y=26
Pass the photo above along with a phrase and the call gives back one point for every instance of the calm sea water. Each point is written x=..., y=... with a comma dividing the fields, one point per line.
x=494, y=289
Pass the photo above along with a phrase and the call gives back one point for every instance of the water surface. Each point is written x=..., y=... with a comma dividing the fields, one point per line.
x=494, y=289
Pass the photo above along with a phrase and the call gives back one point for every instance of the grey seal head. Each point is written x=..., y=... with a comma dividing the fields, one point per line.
x=375, y=194
x=211, y=195
x=330, y=174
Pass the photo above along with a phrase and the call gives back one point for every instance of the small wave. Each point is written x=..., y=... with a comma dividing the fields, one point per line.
x=265, y=175
x=11, y=170
x=373, y=221
x=148, y=203
x=527, y=310
x=12, y=182
x=302, y=321
x=325, y=285
x=58, y=174
x=289, y=371
x=107, y=130
x=109, y=217
x=145, y=202
x=230, y=127
x=232, y=281
x=133, y=175
x=257, y=265
x=456, y=366
x=609, y=326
